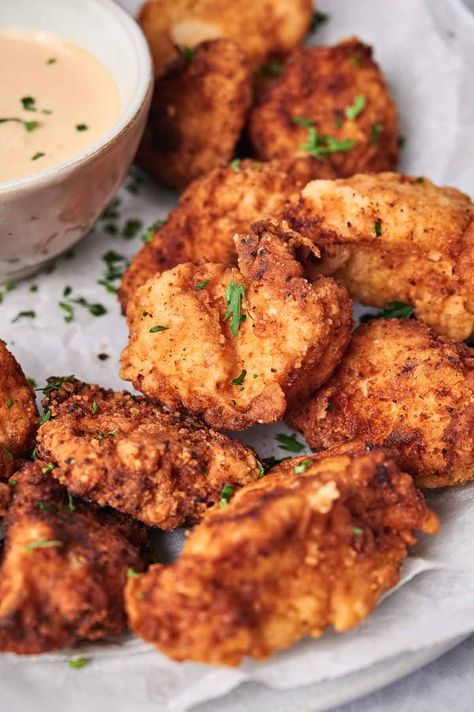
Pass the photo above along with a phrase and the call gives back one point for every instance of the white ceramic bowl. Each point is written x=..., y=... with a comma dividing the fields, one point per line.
x=44, y=214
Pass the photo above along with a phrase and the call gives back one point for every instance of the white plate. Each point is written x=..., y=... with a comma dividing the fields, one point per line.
x=331, y=693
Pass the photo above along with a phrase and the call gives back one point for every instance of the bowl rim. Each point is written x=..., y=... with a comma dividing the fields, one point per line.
x=127, y=115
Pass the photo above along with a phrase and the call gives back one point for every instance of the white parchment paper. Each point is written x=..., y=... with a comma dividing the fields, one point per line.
x=426, y=48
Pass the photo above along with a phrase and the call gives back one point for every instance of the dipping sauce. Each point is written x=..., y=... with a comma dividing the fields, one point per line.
x=55, y=100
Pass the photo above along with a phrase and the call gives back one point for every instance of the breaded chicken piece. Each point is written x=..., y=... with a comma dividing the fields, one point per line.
x=18, y=413
x=331, y=102
x=115, y=449
x=264, y=29
x=64, y=567
x=198, y=111
x=389, y=237
x=215, y=207
x=236, y=345
x=313, y=544
x=5, y=498
x=401, y=386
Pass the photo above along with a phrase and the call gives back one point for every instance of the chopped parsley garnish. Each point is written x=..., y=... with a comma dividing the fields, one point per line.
x=131, y=573
x=42, y=506
x=109, y=434
x=329, y=408
x=54, y=385
x=235, y=164
x=70, y=502
x=29, y=125
x=401, y=140
x=77, y=663
x=157, y=225
x=9, y=403
x=272, y=461
x=28, y=103
x=156, y=329
x=94, y=408
x=395, y=310
x=82, y=127
x=356, y=59
x=299, y=469
x=48, y=468
x=240, y=379
x=289, y=442
x=93, y=308
x=319, y=18
x=34, y=455
x=201, y=285
x=38, y=154
x=398, y=310
x=115, y=267
x=134, y=183
x=69, y=315
x=318, y=145
x=420, y=179
x=131, y=229
x=45, y=417
x=272, y=68
x=24, y=315
x=187, y=52
x=357, y=107
x=8, y=452
x=378, y=228
x=110, y=211
x=11, y=482
x=375, y=132
x=51, y=60
x=42, y=544
x=32, y=382
x=338, y=123
x=357, y=531
x=227, y=493
x=235, y=294
x=261, y=470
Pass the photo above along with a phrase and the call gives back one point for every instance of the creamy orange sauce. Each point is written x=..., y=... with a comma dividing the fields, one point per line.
x=55, y=100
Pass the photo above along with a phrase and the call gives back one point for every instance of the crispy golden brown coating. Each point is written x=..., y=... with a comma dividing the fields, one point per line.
x=115, y=449
x=64, y=567
x=5, y=498
x=18, y=413
x=401, y=386
x=391, y=237
x=341, y=91
x=197, y=114
x=268, y=28
x=235, y=345
x=215, y=207
x=313, y=544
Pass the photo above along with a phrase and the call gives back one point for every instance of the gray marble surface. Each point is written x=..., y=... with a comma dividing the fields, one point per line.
x=446, y=685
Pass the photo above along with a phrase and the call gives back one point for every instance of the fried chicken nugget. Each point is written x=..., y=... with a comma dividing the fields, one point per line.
x=313, y=544
x=5, y=498
x=389, y=237
x=235, y=345
x=64, y=567
x=264, y=29
x=115, y=449
x=401, y=386
x=331, y=102
x=215, y=207
x=18, y=413
x=197, y=114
